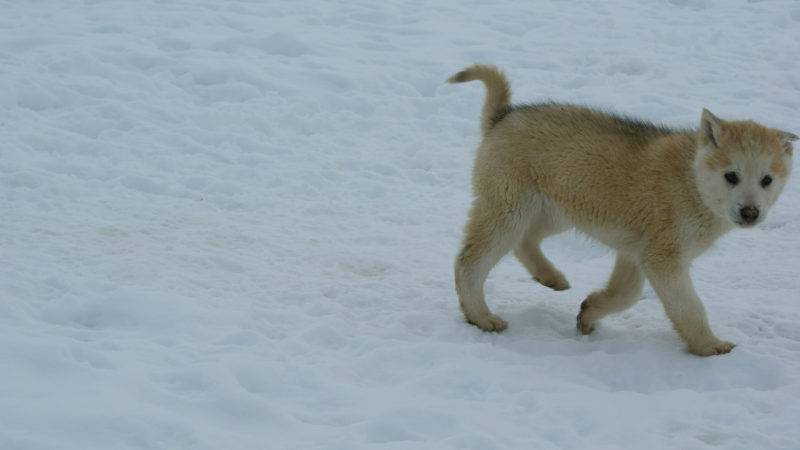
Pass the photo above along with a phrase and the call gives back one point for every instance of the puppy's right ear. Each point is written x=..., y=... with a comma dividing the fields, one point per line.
x=710, y=129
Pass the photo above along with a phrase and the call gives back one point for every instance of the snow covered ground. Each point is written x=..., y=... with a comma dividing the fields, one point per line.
x=231, y=225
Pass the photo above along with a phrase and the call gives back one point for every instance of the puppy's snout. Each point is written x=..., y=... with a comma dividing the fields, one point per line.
x=749, y=214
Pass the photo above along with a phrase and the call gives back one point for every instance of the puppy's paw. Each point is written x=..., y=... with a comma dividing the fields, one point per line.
x=712, y=348
x=554, y=280
x=490, y=322
x=585, y=324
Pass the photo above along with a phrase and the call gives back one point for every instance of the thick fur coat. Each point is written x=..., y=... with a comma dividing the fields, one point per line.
x=659, y=197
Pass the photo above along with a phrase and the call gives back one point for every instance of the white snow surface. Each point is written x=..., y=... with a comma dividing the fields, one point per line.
x=232, y=225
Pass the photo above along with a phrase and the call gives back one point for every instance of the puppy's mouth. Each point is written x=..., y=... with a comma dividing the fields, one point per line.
x=741, y=222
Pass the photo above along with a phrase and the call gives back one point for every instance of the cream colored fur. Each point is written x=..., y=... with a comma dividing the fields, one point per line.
x=659, y=197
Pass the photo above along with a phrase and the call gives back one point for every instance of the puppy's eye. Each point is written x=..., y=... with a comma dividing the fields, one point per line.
x=731, y=178
x=766, y=181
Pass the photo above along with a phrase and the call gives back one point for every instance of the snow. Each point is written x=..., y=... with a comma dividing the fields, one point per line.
x=231, y=225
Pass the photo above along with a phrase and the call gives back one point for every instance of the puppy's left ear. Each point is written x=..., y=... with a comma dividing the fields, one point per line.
x=711, y=129
x=786, y=140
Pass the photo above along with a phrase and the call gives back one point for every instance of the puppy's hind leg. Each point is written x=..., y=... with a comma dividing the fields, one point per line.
x=529, y=253
x=494, y=228
x=623, y=291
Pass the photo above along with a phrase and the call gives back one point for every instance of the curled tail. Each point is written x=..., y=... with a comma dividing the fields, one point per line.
x=498, y=92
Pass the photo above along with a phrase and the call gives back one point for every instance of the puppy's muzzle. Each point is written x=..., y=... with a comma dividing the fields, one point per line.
x=749, y=214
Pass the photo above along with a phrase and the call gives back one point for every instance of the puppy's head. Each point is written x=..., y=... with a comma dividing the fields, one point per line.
x=741, y=168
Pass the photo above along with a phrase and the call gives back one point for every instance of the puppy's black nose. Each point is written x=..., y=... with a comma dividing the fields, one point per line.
x=749, y=214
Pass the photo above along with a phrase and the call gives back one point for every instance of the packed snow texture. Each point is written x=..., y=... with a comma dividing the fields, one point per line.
x=232, y=225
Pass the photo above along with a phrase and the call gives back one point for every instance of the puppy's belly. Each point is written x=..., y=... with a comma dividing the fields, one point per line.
x=620, y=240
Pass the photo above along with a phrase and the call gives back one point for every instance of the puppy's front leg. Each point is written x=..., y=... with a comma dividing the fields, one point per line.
x=687, y=313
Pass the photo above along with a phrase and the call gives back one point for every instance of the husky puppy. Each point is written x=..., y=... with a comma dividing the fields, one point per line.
x=659, y=197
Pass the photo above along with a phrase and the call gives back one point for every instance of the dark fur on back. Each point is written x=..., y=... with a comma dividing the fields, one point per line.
x=625, y=124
